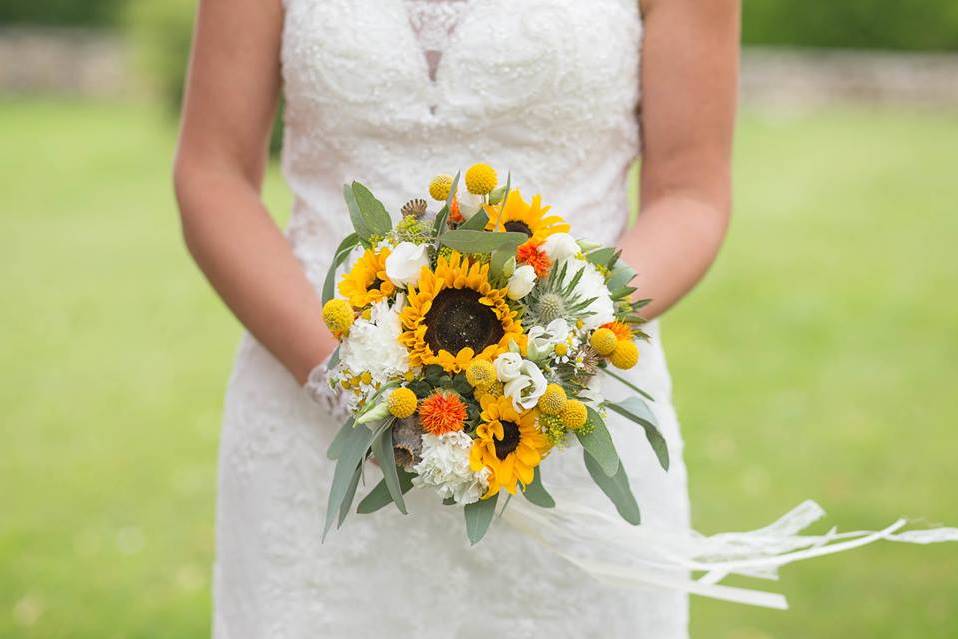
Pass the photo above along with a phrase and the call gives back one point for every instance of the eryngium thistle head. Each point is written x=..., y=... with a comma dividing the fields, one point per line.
x=550, y=306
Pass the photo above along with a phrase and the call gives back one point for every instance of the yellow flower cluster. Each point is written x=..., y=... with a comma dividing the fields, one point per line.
x=402, y=403
x=614, y=341
x=338, y=315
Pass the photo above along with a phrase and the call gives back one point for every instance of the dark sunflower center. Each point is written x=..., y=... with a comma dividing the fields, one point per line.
x=457, y=319
x=518, y=227
x=509, y=441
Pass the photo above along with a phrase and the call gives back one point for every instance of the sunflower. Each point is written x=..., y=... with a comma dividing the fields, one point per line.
x=367, y=283
x=529, y=218
x=508, y=443
x=453, y=315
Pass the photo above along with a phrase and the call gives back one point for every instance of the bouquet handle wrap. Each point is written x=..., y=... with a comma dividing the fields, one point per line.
x=613, y=551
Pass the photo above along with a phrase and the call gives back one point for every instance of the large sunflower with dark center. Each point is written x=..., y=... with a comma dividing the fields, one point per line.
x=458, y=320
x=453, y=315
x=520, y=216
x=508, y=443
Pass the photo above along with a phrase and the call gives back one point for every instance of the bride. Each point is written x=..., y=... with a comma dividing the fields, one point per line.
x=388, y=92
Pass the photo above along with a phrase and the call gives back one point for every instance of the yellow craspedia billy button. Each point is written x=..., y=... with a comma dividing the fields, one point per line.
x=626, y=354
x=553, y=400
x=338, y=315
x=481, y=374
x=481, y=179
x=574, y=415
x=402, y=403
x=440, y=187
x=603, y=341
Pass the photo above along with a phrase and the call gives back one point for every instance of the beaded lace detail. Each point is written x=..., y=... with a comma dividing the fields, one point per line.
x=434, y=22
x=546, y=89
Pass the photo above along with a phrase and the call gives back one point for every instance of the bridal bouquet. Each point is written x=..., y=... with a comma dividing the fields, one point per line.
x=470, y=341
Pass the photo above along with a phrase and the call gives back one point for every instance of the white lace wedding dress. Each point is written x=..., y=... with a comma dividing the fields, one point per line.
x=388, y=93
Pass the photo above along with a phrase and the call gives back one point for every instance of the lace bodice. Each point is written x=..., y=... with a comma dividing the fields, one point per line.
x=393, y=91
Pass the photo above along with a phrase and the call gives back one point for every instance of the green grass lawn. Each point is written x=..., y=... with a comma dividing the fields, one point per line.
x=818, y=359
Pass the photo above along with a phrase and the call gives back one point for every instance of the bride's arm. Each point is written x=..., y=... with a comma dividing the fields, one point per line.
x=231, y=99
x=689, y=88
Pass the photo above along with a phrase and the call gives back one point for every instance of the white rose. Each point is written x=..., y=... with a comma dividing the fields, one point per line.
x=559, y=246
x=526, y=389
x=521, y=282
x=508, y=366
x=404, y=263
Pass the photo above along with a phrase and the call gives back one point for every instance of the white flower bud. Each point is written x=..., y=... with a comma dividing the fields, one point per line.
x=521, y=282
x=404, y=263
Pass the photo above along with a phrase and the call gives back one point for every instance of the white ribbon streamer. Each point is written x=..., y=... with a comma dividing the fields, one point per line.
x=613, y=551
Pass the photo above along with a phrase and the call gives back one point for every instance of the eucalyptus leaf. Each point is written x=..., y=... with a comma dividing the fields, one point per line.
x=479, y=515
x=598, y=443
x=355, y=214
x=498, y=261
x=333, y=359
x=384, y=454
x=621, y=275
x=639, y=412
x=372, y=210
x=616, y=488
x=603, y=256
x=536, y=493
x=477, y=222
x=352, y=455
x=472, y=241
x=342, y=253
x=350, y=495
x=343, y=435
x=379, y=496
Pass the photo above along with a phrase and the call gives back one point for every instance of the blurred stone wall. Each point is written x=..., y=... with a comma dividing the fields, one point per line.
x=63, y=61
x=98, y=64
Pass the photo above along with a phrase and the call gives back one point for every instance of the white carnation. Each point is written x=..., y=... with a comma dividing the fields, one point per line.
x=445, y=467
x=526, y=389
x=373, y=344
x=591, y=284
x=560, y=246
x=404, y=263
x=521, y=282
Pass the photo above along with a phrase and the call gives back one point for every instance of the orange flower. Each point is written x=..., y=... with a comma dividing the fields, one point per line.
x=455, y=215
x=622, y=331
x=530, y=254
x=442, y=412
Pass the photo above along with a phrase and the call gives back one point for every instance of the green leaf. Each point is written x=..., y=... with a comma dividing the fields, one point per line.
x=350, y=495
x=353, y=454
x=536, y=493
x=471, y=241
x=498, y=260
x=478, y=517
x=621, y=275
x=627, y=383
x=342, y=252
x=603, y=256
x=598, y=442
x=379, y=496
x=383, y=451
x=616, y=488
x=333, y=359
x=477, y=222
x=373, y=212
x=638, y=411
x=341, y=439
x=355, y=214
